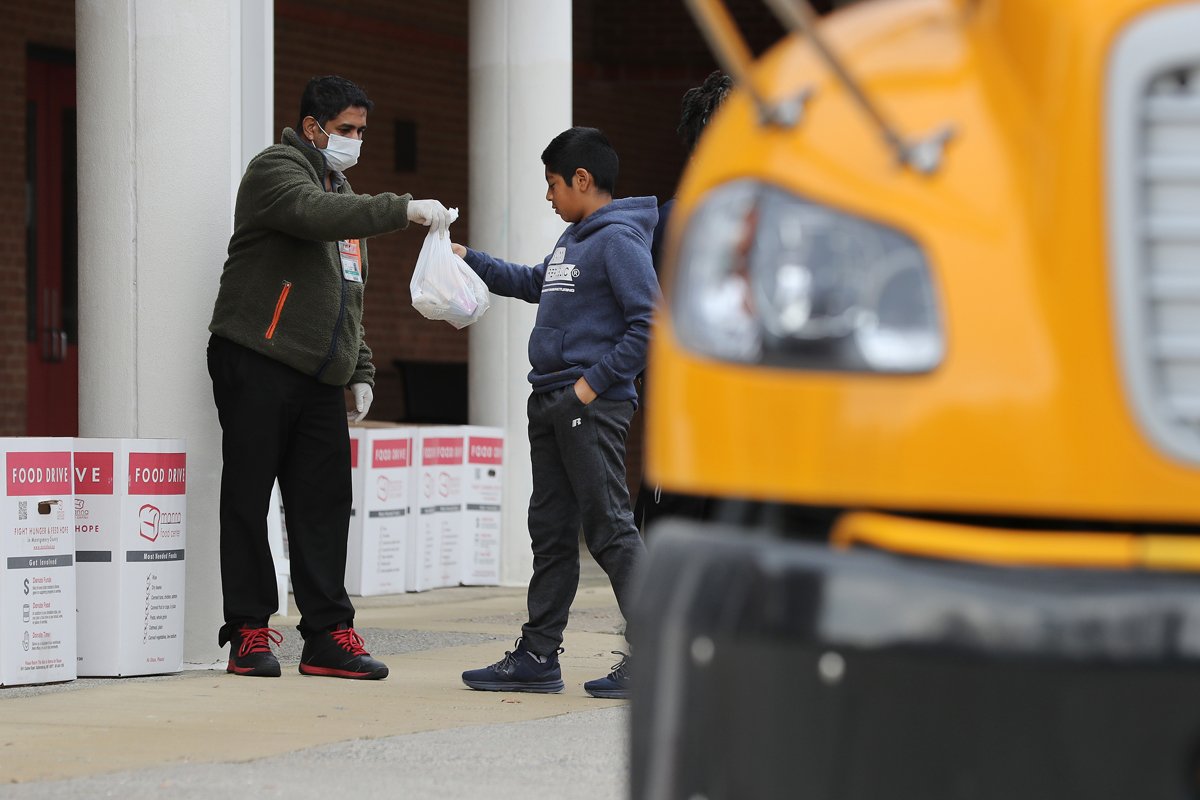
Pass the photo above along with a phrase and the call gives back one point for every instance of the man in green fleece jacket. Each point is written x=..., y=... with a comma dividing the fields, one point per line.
x=287, y=341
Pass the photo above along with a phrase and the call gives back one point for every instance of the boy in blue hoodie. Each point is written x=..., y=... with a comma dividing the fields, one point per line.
x=595, y=294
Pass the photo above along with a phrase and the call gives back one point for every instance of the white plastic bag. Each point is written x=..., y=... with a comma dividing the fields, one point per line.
x=443, y=286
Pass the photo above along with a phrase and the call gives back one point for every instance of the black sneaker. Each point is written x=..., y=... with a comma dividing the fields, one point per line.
x=616, y=684
x=339, y=653
x=250, y=652
x=519, y=671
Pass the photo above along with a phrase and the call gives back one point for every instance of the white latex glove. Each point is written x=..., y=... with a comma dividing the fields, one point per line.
x=362, y=401
x=429, y=212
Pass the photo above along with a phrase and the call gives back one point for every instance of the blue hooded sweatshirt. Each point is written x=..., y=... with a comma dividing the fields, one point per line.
x=595, y=293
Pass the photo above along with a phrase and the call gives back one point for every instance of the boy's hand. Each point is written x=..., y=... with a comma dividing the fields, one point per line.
x=584, y=392
x=459, y=250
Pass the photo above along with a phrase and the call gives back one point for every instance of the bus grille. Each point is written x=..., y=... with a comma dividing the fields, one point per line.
x=1153, y=161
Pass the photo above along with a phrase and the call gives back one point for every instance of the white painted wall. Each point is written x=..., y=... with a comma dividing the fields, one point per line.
x=520, y=99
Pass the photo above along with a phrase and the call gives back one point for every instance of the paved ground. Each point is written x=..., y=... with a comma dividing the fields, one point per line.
x=420, y=733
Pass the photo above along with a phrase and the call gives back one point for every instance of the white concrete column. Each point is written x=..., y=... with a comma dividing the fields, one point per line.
x=252, y=110
x=520, y=85
x=252, y=84
x=156, y=91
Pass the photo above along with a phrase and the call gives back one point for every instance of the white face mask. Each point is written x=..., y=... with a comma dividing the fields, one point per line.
x=342, y=152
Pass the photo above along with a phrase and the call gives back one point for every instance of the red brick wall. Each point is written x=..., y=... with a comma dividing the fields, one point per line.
x=50, y=23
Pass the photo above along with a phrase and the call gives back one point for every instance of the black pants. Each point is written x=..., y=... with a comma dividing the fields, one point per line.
x=578, y=455
x=280, y=423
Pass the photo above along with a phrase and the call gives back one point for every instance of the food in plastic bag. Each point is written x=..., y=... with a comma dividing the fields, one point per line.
x=443, y=286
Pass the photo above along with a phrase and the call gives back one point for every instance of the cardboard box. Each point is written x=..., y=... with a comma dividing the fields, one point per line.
x=434, y=556
x=482, y=522
x=381, y=521
x=37, y=545
x=131, y=531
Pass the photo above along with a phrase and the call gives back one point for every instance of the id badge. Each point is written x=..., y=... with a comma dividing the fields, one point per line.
x=351, y=260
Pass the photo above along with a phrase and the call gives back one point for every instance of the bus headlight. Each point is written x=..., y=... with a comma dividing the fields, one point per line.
x=765, y=277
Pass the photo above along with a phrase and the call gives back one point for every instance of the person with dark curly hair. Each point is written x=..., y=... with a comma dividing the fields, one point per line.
x=698, y=106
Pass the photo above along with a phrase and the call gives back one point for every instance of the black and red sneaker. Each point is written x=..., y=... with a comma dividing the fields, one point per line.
x=250, y=652
x=339, y=653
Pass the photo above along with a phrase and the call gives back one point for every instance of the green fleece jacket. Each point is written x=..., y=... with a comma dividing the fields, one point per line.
x=282, y=291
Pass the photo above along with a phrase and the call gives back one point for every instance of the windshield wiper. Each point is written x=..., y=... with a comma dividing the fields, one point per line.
x=923, y=155
x=727, y=44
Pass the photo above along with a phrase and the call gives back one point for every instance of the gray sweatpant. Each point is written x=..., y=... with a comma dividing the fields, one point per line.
x=578, y=455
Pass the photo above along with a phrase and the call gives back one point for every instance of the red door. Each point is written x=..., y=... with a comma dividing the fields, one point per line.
x=52, y=389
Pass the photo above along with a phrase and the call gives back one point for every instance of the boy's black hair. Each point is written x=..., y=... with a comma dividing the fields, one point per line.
x=327, y=96
x=583, y=147
x=699, y=103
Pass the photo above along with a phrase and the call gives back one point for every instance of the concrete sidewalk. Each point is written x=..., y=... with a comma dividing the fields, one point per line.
x=156, y=737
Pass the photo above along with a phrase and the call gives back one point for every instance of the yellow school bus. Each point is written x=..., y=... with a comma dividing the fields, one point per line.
x=946, y=282
x=932, y=294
